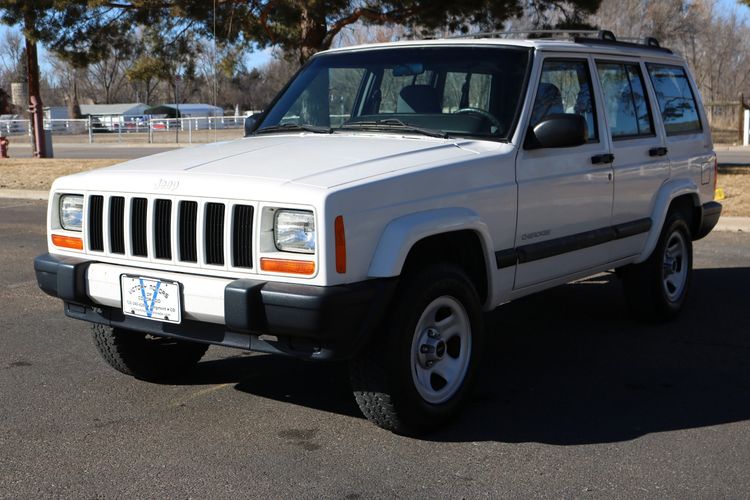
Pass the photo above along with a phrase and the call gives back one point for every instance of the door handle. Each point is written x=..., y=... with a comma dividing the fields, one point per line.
x=657, y=152
x=602, y=159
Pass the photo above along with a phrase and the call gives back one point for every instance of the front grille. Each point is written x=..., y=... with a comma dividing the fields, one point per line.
x=214, y=234
x=163, y=229
x=117, y=224
x=139, y=227
x=96, y=226
x=188, y=237
x=242, y=236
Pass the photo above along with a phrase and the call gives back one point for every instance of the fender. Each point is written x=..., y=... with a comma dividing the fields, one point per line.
x=668, y=192
x=400, y=235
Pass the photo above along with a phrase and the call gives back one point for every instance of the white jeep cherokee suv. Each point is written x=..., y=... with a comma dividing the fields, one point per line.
x=389, y=195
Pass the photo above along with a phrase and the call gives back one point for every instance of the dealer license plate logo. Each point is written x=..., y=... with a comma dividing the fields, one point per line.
x=151, y=299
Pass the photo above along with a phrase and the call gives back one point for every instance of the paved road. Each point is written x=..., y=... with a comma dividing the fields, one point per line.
x=734, y=157
x=576, y=400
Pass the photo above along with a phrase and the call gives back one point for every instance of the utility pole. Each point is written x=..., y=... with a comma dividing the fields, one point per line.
x=36, y=108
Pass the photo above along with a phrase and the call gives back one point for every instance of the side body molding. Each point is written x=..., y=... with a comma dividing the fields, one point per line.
x=668, y=192
x=402, y=233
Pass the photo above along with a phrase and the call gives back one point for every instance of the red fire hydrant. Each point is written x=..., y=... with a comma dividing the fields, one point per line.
x=4, y=143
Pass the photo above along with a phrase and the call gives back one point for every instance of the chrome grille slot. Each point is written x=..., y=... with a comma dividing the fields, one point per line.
x=138, y=224
x=242, y=236
x=96, y=223
x=117, y=224
x=214, y=234
x=163, y=229
x=187, y=235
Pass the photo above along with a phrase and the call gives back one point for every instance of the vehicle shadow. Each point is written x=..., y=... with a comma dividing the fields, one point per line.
x=567, y=366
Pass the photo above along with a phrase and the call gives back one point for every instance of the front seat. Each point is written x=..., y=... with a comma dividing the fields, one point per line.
x=418, y=99
x=548, y=102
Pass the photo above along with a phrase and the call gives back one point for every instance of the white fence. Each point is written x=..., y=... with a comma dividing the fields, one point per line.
x=161, y=130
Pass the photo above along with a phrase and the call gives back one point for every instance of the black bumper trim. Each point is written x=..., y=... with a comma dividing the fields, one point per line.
x=63, y=277
x=710, y=214
x=306, y=321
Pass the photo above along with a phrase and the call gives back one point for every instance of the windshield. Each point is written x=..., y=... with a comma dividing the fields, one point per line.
x=441, y=91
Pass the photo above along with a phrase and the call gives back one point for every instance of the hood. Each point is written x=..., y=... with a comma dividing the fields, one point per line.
x=322, y=161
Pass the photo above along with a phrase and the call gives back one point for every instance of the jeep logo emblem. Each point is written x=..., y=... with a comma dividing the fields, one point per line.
x=166, y=185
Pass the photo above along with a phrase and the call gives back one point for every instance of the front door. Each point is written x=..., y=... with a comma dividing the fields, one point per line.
x=564, y=194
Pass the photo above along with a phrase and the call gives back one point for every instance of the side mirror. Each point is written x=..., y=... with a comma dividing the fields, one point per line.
x=250, y=123
x=560, y=130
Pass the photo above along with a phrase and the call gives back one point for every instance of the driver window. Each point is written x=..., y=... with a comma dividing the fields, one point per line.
x=565, y=87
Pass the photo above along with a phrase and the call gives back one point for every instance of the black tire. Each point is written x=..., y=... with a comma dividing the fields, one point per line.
x=647, y=292
x=385, y=375
x=144, y=356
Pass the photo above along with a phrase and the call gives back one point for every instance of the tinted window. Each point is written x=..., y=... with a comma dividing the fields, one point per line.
x=625, y=100
x=676, y=100
x=459, y=90
x=565, y=87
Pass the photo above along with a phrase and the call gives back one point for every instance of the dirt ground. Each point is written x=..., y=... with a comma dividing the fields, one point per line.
x=39, y=174
x=736, y=185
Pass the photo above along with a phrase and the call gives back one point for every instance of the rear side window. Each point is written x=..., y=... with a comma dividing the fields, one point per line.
x=676, y=99
x=625, y=100
x=565, y=87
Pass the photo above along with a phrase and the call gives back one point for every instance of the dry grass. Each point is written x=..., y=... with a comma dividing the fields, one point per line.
x=20, y=173
x=736, y=186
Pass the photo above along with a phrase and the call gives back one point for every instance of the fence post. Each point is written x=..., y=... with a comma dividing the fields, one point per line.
x=91, y=132
x=746, y=127
x=151, y=131
x=190, y=131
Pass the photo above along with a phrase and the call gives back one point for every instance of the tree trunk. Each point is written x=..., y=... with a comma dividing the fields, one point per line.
x=36, y=108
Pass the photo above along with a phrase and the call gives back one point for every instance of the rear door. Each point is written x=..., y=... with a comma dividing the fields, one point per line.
x=688, y=140
x=641, y=163
x=564, y=194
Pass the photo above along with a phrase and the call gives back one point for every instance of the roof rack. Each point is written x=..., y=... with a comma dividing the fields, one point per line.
x=599, y=37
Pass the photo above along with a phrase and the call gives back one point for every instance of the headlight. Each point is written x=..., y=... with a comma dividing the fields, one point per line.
x=71, y=212
x=294, y=231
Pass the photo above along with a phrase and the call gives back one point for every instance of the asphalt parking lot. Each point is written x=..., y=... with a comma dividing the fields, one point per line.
x=575, y=400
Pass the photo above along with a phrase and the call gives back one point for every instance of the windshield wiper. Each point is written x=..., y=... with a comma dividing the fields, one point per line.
x=291, y=127
x=394, y=123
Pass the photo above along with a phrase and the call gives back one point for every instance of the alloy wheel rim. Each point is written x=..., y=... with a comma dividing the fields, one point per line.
x=441, y=350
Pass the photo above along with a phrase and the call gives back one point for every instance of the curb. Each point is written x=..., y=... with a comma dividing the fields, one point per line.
x=734, y=224
x=24, y=194
x=729, y=224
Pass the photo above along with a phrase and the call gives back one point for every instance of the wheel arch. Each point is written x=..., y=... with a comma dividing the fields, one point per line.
x=455, y=235
x=673, y=195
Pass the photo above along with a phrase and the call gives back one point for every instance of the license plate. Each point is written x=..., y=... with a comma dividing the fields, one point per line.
x=151, y=298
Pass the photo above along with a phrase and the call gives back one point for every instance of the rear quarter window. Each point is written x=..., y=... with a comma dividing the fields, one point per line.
x=677, y=104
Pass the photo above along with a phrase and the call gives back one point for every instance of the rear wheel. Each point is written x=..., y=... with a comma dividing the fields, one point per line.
x=415, y=376
x=657, y=288
x=145, y=356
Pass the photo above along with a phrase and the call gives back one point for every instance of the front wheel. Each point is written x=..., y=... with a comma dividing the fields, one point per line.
x=145, y=356
x=657, y=288
x=415, y=376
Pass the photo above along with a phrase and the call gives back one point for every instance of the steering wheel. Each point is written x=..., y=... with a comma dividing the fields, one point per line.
x=492, y=118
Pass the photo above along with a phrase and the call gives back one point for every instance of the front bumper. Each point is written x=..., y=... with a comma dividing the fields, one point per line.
x=297, y=320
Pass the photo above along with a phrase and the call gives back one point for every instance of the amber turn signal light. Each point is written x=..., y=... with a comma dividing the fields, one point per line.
x=67, y=242
x=287, y=266
x=340, y=245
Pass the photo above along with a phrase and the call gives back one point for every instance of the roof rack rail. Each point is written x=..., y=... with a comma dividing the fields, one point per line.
x=602, y=37
x=550, y=33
